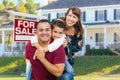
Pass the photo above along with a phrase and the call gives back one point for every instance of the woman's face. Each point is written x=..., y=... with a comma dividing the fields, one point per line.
x=71, y=19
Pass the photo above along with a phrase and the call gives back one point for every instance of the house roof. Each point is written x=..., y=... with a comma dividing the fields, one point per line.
x=101, y=23
x=80, y=3
x=9, y=25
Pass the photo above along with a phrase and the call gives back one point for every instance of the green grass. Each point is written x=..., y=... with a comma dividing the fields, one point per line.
x=86, y=68
x=76, y=78
x=12, y=65
x=97, y=65
x=11, y=77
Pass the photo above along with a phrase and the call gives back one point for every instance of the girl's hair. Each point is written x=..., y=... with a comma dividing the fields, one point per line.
x=58, y=23
x=78, y=26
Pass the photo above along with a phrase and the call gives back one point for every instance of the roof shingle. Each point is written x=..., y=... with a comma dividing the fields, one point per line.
x=80, y=3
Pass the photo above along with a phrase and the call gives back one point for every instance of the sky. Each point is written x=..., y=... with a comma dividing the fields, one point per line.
x=35, y=1
x=42, y=2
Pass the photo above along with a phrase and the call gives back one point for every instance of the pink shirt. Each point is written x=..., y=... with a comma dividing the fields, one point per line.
x=39, y=72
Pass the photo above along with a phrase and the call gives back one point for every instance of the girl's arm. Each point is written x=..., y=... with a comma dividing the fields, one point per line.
x=51, y=47
x=34, y=41
x=56, y=43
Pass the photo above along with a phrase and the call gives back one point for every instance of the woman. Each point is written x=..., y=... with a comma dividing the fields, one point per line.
x=74, y=32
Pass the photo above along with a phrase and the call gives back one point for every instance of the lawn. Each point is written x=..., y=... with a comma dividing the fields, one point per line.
x=76, y=78
x=86, y=68
x=97, y=65
x=11, y=77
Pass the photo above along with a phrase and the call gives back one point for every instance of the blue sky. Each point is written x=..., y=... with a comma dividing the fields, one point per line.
x=15, y=1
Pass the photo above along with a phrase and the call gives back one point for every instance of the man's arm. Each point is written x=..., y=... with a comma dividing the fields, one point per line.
x=55, y=69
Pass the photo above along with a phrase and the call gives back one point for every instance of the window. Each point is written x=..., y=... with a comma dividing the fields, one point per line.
x=99, y=39
x=100, y=15
x=60, y=15
x=116, y=37
x=8, y=37
x=47, y=16
x=83, y=16
x=0, y=37
x=116, y=14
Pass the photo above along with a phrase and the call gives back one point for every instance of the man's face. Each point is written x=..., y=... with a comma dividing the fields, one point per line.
x=44, y=32
x=57, y=32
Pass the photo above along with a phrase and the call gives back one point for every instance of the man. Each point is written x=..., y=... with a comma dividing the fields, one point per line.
x=50, y=65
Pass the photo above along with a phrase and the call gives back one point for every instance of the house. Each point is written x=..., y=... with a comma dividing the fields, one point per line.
x=100, y=17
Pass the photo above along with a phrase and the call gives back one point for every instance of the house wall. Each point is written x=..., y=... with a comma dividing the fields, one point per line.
x=110, y=35
x=90, y=15
x=90, y=12
x=53, y=13
x=91, y=36
x=7, y=45
x=110, y=30
x=110, y=14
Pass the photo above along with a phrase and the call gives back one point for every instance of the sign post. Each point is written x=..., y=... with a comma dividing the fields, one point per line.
x=24, y=29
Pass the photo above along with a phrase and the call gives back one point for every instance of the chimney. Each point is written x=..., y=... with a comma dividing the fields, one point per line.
x=49, y=1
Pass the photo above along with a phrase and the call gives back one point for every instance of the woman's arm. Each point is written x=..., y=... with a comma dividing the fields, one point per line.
x=76, y=43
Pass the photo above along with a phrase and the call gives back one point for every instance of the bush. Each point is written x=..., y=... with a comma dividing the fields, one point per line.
x=100, y=52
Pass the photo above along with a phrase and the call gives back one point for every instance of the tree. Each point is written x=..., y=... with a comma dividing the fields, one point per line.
x=12, y=4
x=2, y=7
x=5, y=2
x=22, y=7
x=30, y=6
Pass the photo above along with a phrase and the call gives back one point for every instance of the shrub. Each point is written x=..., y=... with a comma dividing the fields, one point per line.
x=100, y=52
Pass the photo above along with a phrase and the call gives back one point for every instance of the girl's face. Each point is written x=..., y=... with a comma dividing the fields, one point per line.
x=57, y=32
x=71, y=19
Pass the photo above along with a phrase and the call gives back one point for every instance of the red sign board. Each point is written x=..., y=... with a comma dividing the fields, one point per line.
x=24, y=29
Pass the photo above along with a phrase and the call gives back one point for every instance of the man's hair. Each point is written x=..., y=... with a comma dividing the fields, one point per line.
x=42, y=21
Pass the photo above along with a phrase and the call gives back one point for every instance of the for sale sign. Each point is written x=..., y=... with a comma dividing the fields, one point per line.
x=24, y=29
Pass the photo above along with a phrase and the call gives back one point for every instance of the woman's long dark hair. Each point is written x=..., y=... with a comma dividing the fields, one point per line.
x=78, y=26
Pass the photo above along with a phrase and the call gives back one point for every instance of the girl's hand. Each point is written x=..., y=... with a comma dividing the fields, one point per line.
x=68, y=39
x=65, y=43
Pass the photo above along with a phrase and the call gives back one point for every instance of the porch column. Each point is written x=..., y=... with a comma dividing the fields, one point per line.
x=85, y=36
x=105, y=41
x=85, y=42
x=3, y=42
